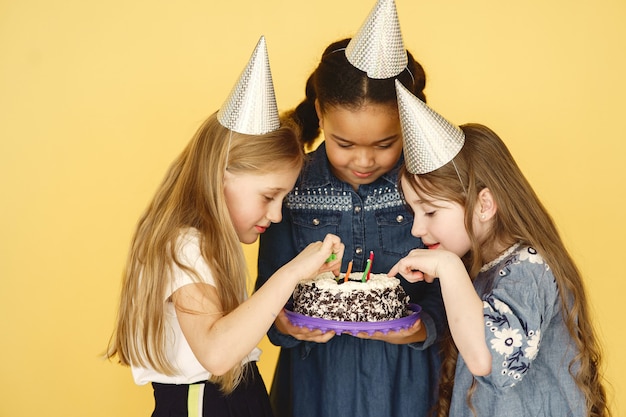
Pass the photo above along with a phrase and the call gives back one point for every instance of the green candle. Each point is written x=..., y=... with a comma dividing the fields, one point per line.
x=367, y=270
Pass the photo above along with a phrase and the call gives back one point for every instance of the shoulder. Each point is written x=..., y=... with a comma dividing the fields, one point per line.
x=526, y=261
x=525, y=275
x=188, y=245
x=192, y=265
x=316, y=170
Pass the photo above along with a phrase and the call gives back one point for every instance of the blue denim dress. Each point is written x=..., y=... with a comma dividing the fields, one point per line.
x=351, y=376
x=530, y=346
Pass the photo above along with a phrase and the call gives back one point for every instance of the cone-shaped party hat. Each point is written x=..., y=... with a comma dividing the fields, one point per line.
x=377, y=48
x=430, y=141
x=251, y=105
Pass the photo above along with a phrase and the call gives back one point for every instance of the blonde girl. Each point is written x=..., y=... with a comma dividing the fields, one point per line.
x=184, y=323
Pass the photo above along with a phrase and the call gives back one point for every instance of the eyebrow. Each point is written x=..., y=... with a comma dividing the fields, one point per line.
x=420, y=200
x=431, y=203
x=387, y=139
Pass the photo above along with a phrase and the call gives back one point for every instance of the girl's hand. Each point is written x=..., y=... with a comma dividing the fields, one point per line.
x=312, y=260
x=422, y=264
x=301, y=333
x=415, y=333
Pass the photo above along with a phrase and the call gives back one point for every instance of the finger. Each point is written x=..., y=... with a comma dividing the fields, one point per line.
x=315, y=336
x=326, y=248
x=339, y=249
x=417, y=325
x=429, y=278
x=330, y=240
x=325, y=337
x=413, y=275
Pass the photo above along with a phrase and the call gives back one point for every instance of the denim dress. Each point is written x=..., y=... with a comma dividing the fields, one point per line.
x=530, y=346
x=351, y=376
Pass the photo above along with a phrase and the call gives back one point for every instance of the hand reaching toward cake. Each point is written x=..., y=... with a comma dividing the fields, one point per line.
x=315, y=259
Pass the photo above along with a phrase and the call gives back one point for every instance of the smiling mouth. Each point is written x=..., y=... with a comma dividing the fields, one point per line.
x=433, y=246
x=362, y=174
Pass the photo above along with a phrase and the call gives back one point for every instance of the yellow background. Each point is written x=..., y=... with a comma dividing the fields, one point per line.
x=98, y=97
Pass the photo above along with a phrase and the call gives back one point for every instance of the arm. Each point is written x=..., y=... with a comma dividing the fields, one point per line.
x=464, y=308
x=276, y=247
x=220, y=341
x=433, y=315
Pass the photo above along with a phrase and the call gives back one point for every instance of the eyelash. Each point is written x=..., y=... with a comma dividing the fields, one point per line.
x=383, y=147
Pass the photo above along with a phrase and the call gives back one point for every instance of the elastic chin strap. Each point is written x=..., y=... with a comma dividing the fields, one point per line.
x=459, y=176
x=411, y=74
x=406, y=68
x=230, y=137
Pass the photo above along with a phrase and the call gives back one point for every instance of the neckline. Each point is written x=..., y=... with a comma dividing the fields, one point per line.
x=499, y=259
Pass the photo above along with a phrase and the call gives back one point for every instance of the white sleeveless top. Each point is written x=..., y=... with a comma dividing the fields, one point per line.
x=178, y=351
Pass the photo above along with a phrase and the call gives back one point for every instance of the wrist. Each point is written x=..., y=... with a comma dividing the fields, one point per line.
x=450, y=265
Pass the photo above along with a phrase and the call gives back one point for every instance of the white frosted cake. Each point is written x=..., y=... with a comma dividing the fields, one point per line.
x=380, y=298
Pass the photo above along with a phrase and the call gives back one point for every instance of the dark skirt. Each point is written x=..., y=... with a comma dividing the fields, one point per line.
x=204, y=399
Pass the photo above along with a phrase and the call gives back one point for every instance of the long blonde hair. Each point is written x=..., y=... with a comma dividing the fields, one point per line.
x=192, y=195
x=485, y=162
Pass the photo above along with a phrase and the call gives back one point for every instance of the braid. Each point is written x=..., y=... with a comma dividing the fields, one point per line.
x=306, y=116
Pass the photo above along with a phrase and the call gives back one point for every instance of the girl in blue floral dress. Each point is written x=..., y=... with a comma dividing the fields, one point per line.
x=515, y=301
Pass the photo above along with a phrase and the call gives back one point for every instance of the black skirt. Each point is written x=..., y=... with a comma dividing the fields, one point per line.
x=204, y=399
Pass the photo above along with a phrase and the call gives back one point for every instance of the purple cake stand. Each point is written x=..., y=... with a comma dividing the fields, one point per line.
x=354, y=327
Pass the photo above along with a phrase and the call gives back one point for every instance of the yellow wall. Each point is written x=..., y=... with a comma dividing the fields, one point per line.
x=97, y=97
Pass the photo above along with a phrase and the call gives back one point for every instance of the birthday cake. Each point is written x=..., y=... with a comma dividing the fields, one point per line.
x=380, y=298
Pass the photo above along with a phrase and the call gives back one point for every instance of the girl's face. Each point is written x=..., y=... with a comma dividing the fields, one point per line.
x=439, y=223
x=361, y=144
x=255, y=201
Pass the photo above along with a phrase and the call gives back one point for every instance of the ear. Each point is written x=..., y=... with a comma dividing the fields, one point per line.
x=320, y=117
x=486, y=206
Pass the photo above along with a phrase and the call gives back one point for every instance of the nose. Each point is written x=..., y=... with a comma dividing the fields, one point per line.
x=418, y=229
x=365, y=157
x=275, y=211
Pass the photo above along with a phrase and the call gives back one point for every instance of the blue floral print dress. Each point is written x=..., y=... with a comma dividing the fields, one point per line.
x=530, y=346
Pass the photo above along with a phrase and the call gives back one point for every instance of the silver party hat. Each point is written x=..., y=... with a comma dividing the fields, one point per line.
x=430, y=141
x=251, y=105
x=377, y=48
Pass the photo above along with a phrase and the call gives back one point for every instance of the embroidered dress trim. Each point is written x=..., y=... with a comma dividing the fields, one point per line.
x=339, y=200
x=499, y=259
